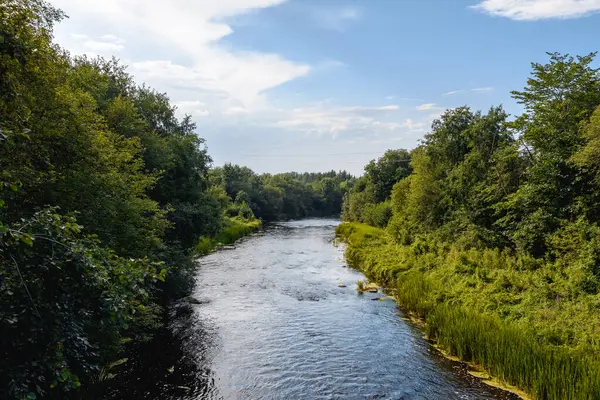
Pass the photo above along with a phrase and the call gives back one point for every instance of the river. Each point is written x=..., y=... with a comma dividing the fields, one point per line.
x=272, y=323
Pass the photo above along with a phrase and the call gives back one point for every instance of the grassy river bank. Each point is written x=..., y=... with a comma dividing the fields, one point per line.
x=468, y=304
x=234, y=228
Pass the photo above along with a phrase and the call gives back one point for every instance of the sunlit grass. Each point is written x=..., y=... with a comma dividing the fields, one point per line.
x=486, y=308
x=234, y=229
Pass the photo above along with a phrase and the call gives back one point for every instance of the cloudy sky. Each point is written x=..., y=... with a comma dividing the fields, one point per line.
x=326, y=84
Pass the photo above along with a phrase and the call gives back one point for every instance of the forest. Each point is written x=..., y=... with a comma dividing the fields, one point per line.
x=488, y=231
x=106, y=200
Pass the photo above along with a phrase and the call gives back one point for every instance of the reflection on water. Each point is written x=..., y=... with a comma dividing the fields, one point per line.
x=273, y=324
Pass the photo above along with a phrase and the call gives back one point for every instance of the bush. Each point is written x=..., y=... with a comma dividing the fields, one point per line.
x=529, y=323
x=378, y=214
x=233, y=230
x=241, y=210
x=66, y=302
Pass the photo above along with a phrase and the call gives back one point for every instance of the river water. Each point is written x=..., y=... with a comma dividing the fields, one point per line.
x=272, y=323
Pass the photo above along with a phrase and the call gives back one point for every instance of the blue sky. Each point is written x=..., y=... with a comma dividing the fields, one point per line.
x=314, y=85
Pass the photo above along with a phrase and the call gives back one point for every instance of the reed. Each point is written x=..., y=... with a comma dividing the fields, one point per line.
x=513, y=354
x=234, y=229
x=482, y=308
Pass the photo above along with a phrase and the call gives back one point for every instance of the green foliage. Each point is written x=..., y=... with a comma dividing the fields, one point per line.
x=65, y=303
x=493, y=308
x=378, y=214
x=494, y=235
x=559, y=99
x=282, y=196
x=234, y=229
x=241, y=210
x=386, y=171
x=376, y=186
x=588, y=156
x=512, y=353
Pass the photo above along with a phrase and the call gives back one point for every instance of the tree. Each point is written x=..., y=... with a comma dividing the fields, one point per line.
x=386, y=171
x=559, y=97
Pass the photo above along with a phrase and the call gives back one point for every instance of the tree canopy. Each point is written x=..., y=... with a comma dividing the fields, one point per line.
x=105, y=195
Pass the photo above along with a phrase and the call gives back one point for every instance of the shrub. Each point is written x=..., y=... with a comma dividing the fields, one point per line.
x=378, y=214
x=66, y=302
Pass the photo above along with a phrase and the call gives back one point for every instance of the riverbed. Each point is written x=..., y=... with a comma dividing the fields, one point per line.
x=270, y=321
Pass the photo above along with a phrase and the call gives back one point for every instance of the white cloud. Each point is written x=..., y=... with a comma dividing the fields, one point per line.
x=193, y=108
x=476, y=90
x=176, y=48
x=387, y=141
x=334, y=18
x=527, y=10
x=329, y=65
x=186, y=59
x=392, y=107
x=412, y=125
x=408, y=124
x=112, y=38
x=483, y=89
x=224, y=78
x=335, y=120
x=427, y=106
x=235, y=110
x=452, y=92
x=104, y=45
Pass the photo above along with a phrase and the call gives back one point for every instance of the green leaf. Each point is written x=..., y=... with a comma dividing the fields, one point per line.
x=27, y=239
x=64, y=373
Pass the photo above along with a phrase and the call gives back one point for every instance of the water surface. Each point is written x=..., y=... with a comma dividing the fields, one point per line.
x=273, y=324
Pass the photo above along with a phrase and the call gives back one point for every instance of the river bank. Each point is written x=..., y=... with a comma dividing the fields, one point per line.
x=234, y=228
x=271, y=322
x=169, y=333
x=510, y=351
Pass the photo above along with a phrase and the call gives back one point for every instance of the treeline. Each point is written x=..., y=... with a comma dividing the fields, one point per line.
x=283, y=196
x=105, y=196
x=491, y=231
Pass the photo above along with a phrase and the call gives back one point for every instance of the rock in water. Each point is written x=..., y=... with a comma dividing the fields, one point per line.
x=341, y=284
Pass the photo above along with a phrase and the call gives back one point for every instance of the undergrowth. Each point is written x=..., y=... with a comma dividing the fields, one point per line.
x=520, y=320
x=234, y=228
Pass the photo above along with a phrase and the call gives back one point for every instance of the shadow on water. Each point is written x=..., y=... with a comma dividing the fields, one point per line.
x=163, y=368
x=273, y=323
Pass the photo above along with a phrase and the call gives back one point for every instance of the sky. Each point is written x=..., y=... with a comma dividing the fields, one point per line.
x=316, y=85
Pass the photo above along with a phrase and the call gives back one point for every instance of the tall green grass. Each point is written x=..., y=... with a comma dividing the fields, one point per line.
x=514, y=355
x=234, y=229
x=479, y=308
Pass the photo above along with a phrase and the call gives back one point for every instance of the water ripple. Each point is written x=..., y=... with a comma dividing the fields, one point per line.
x=275, y=325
